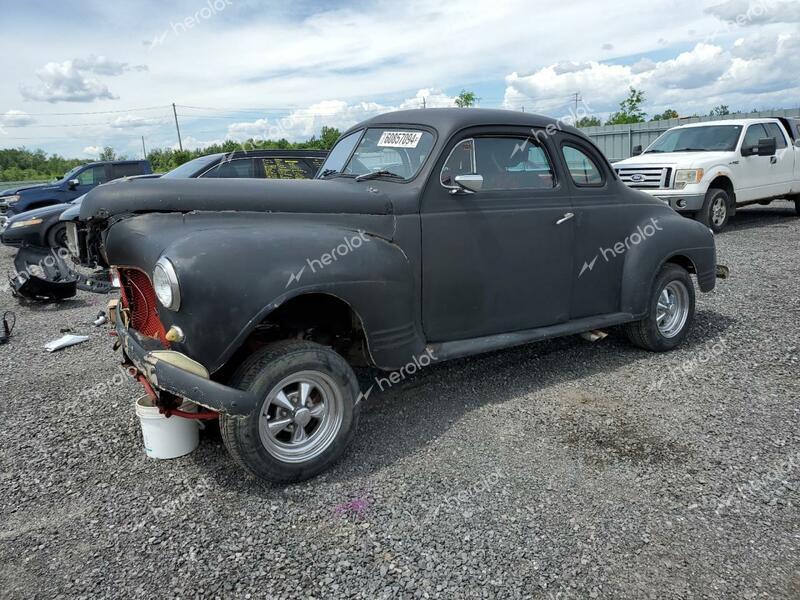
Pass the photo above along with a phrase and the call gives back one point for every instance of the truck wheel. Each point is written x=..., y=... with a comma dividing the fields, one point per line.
x=670, y=314
x=307, y=416
x=716, y=210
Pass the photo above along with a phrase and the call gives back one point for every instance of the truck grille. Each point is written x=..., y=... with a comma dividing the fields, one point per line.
x=139, y=298
x=652, y=178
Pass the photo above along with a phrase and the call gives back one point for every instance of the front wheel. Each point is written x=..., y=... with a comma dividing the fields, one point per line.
x=670, y=312
x=716, y=210
x=307, y=415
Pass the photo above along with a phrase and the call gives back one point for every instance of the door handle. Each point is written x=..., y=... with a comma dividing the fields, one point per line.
x=565, y=218
x=773, y=160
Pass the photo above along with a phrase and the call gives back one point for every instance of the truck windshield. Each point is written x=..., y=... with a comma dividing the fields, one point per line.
x=188, y=169
x=714, y=138
x=393, y=153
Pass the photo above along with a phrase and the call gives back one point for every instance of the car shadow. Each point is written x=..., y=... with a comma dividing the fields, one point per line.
x=750, y=217
x=397, y=422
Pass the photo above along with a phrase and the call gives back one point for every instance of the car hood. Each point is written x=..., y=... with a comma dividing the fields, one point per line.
x=689, y=159
x=39, y=213
x=340, y=195
x=37, y=186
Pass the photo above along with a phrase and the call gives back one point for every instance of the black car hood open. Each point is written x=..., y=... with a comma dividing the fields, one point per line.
x=342, y=195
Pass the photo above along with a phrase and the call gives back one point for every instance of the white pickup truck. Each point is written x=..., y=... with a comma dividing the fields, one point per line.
x=707, y=170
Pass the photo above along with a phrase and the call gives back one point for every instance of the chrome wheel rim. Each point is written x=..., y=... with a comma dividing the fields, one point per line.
x=672, y=310
x=301, y=417
x=719, y=211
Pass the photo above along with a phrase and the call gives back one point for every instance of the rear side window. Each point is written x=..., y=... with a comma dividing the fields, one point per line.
x=285, y=168
x=774, y=131
x=505, y=163
x=126, y=170
x=241, y=168
x=582, y=168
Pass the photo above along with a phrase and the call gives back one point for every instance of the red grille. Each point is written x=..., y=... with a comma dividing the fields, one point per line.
x=139, y=298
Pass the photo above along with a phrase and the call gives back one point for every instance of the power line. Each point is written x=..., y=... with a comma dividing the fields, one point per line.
x=99, y=112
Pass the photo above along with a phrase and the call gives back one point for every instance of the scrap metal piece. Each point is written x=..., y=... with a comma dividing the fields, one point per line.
x=41, y=275
x=65, y=342
x=723, y=272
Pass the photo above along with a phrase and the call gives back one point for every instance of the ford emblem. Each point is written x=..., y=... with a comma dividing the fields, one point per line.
x=637, y=177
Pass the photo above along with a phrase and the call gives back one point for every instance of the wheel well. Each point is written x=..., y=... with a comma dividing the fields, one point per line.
x=724, y=183
x=321, y=318
x=683, y=261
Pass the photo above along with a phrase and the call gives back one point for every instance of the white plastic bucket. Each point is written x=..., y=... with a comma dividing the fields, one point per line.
x=167, y=437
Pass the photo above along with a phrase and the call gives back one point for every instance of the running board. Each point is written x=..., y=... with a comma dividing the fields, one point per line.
x=461, y=348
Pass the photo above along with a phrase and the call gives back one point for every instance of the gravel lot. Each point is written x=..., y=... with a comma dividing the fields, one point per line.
x=559, y=470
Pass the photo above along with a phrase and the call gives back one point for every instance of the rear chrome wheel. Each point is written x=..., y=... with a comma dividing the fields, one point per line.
x=672, y=309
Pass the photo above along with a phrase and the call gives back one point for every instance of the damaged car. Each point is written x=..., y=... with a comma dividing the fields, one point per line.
x=428, y=235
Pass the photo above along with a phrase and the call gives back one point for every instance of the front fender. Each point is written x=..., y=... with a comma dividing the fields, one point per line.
x=235, y=269
x=680, y=240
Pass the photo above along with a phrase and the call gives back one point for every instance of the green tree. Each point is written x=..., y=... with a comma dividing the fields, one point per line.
x=630, y=110
x=720, y=111
x=588, y=122
x=466, y=99
x=107, y=154
x=666, y=115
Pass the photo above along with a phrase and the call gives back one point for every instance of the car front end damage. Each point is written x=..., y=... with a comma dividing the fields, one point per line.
x=168, y=376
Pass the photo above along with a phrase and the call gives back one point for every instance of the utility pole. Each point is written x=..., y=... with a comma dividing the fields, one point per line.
x=424, y=103
x=175, y=112
x=144, y=152
x=577, y=98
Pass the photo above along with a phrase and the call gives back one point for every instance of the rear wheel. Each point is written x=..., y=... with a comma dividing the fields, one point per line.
x=57, y=236
x=670, y=314
x=307, y=415
x=716, y=210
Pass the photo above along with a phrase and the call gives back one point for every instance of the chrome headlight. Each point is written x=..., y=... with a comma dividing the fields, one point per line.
x=165, y=284
x=9, y=199
x=684, y=177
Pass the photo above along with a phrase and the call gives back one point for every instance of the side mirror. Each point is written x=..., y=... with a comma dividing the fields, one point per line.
x=73, y=183
x=767, y=147
x=637, y=150
x=469, y=183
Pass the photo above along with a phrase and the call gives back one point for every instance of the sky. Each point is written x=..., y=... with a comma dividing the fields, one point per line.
x=78, y=76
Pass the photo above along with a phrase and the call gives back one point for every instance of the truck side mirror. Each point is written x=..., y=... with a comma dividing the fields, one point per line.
x=468, y=183
x=637, y=150
x=767, y=147
x=73, y=183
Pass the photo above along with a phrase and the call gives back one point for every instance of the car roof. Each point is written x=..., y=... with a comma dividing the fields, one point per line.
x=450, y=120
x=738, y=122
x=274, y=153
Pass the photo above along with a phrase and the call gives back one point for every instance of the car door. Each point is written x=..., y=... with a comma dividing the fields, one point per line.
x=756, y=171
x=606, y=225
x=781, y=173
x=498, y=259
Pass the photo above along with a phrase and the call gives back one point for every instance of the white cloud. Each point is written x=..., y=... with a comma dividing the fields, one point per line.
x=16, y=118
x=757, y=12
x=92, y=150
x=133, y=121
x=73, y=80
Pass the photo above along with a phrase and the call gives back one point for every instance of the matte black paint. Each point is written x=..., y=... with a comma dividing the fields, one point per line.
x=464, y=273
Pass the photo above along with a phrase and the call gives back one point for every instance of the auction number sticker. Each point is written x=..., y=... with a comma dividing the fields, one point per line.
x=399, y=139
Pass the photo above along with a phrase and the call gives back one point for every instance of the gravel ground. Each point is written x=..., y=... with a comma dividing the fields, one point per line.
x=559, y=470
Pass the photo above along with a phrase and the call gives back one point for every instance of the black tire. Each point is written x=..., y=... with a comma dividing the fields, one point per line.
x=261, y=374
x=716, y=201
x=57, y=236
x=646, y=333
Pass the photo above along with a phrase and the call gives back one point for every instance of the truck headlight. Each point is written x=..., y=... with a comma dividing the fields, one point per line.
x=684, y=177
x=165, y=284
x=9, y=199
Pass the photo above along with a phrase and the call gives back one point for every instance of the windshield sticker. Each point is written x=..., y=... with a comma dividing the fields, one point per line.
x=399, y=139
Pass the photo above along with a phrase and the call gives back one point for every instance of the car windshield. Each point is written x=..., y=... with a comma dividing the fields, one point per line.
x=720, y=138
x=188, y=169
x=71, y=173
x=393, y=153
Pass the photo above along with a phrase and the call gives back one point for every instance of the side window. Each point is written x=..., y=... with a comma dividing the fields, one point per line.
x=774, y=131
x=754, y=133
x=315, y=164
x=126, y=170
x=460, y=162
x=233, y=169
x=93, y=176
x=582, y=168
x=286, y=168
